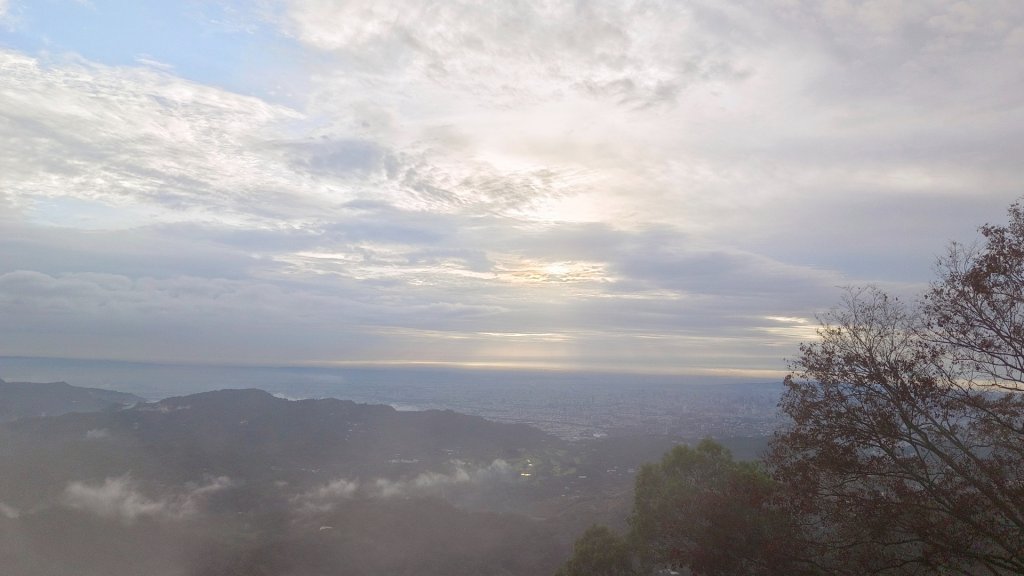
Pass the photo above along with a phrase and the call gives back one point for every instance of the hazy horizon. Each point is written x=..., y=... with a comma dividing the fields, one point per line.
x=569, y=404
x=156, y=380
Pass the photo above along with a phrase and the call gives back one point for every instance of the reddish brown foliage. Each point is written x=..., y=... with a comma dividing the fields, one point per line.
x=906, y=451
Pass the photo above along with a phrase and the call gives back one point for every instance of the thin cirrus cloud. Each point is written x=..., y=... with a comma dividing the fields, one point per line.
x=614, y=185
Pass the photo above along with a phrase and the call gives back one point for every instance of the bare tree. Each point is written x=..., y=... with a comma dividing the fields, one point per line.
x=976, y=308
x=906, y=449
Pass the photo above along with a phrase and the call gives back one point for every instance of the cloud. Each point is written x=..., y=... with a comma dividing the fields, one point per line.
x=119, y=498
x=9, y=512
x=116, y=498
x=340, y=158
x=97, y=434
x=634, y=54
x=933, y=25
x=324, y=498
x=435, y=482
x=601, y=184
x=436, y=303
x=129, y=137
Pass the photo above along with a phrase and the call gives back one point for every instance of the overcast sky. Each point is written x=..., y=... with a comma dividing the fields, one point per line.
x=673, y=186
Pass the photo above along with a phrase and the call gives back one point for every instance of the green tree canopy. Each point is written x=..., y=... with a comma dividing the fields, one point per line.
x=697, y=510
x=599, y=552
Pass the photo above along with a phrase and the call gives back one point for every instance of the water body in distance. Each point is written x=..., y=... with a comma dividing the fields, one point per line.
x=570, y=404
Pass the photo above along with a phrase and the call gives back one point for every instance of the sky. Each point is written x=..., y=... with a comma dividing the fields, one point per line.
x=633, y=186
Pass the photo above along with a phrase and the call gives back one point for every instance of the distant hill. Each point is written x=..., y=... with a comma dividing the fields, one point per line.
x=254, y=435
x=243, y=482
x=29, y=399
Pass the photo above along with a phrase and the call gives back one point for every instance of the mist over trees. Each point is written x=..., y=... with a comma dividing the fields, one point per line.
x=904, y=454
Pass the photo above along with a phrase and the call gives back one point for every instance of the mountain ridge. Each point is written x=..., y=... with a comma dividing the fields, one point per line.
x=41, y=399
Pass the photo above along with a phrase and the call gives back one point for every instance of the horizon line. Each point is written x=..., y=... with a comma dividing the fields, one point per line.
x=766, y=374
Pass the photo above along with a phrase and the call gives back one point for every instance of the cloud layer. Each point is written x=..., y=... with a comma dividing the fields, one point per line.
x=659, y=186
